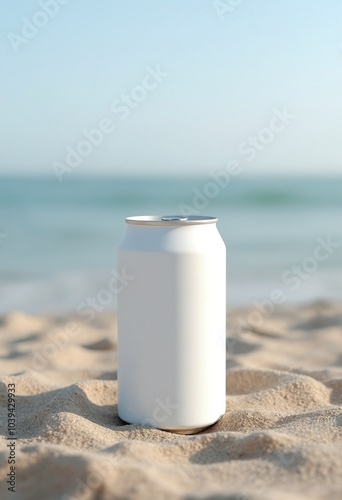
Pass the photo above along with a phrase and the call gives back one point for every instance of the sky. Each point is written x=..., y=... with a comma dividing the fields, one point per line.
x=177, y=87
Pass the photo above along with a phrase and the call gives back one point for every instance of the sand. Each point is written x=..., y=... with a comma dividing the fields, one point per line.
x=280, y=438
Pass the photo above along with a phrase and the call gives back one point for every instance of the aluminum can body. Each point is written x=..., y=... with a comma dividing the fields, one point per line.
x=172, y=323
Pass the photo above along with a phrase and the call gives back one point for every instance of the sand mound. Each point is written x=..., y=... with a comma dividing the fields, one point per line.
x=280, y=437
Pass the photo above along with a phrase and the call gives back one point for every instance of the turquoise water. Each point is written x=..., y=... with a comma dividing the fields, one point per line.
x=58, y=241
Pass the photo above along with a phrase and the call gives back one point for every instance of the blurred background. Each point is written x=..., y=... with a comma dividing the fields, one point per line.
x=111, y=109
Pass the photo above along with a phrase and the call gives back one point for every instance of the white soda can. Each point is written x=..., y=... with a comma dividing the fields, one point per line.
x=172, y=323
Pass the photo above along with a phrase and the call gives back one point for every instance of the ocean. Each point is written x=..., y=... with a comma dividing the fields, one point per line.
x=58, y=241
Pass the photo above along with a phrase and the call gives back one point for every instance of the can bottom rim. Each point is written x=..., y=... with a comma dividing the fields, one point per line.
x=192, y=430
x=186, y=430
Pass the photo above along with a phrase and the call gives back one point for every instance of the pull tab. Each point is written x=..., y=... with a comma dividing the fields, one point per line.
x=170, y=219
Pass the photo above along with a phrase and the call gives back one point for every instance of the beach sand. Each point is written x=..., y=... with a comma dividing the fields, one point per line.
x=281, y=436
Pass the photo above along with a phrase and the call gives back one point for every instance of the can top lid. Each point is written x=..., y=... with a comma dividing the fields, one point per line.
x=173, y=220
